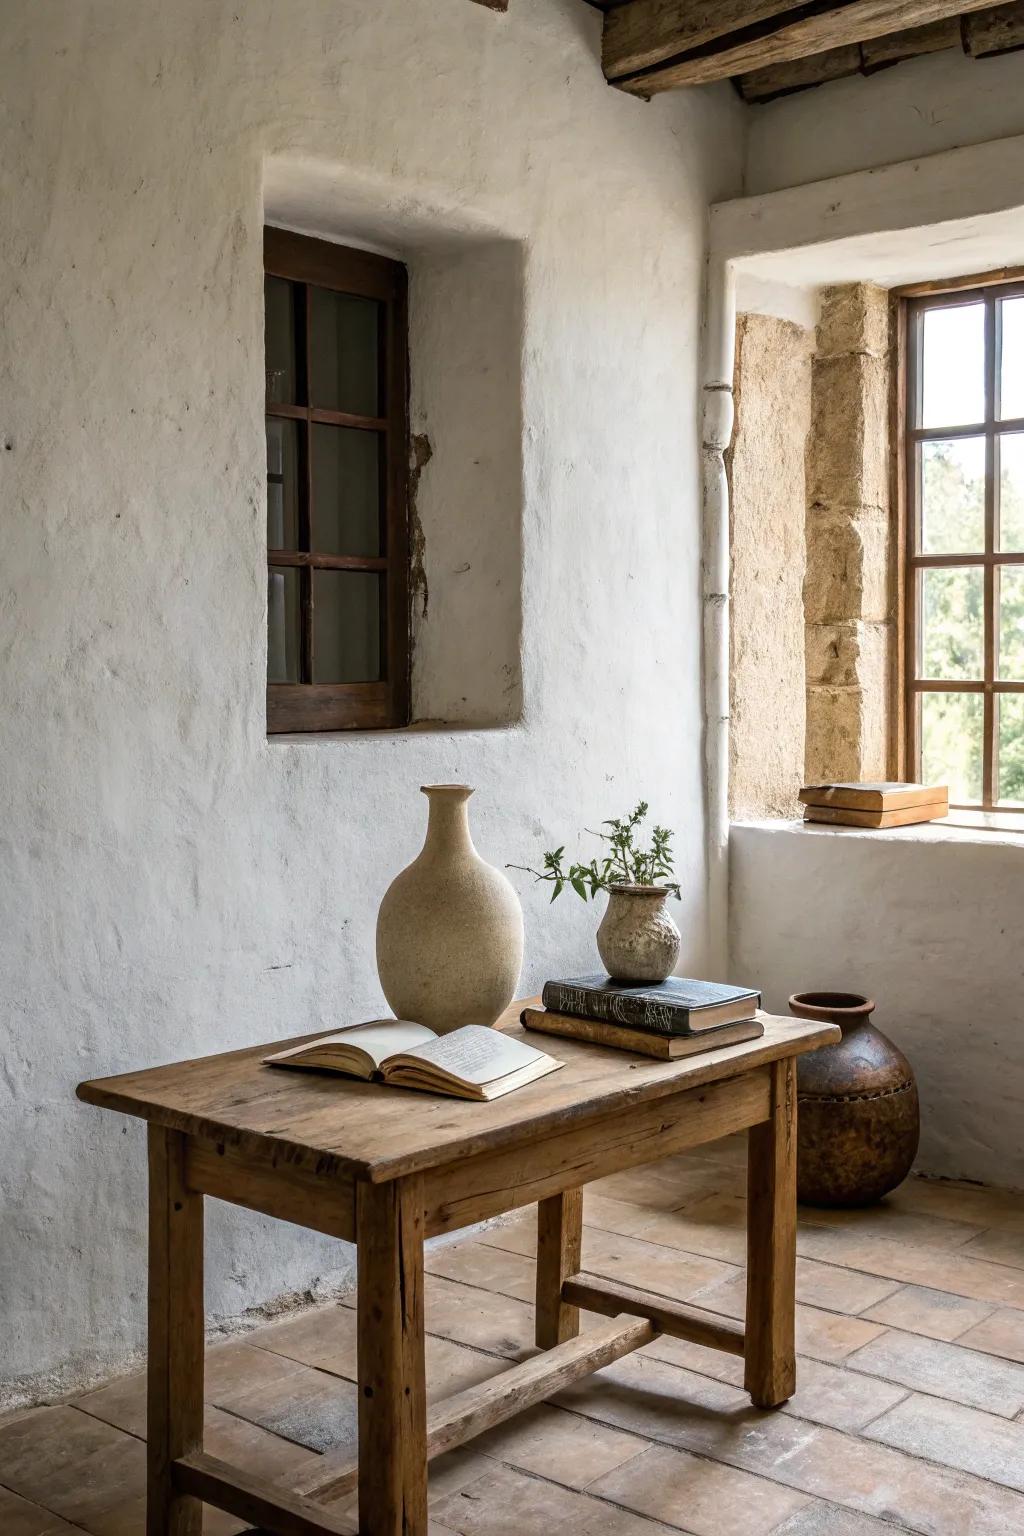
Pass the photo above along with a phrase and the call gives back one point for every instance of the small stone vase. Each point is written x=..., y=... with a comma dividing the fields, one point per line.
x=450, y=928
x=858, y=1120
x=637, y=939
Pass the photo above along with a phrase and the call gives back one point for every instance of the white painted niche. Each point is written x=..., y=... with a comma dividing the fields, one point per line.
x=466, y=428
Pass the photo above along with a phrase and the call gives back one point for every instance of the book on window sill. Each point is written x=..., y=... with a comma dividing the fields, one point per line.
x=678, y=1006
x=642, y=1041
x=842, y=816
x=473, y=1062
x=874, y=797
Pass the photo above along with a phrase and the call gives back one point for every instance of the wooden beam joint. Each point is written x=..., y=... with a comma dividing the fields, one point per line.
x=612, y=1298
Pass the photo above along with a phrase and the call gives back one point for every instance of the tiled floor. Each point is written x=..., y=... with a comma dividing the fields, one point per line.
x=909, y=1414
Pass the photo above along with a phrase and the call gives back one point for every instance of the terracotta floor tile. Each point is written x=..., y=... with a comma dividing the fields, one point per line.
x=310, y=1407
x=664, y=1186
x=820, y=1334
x=508, y=1503
x=650, y=1265
x=954, y=1436
x=18, y=1517
x=830, y=1520
x=970, y=1203
x=952, y=1271
x=561, y=1446
x=615, y=1215
x=72, y=1464
x=715, y=1225
x=936, y=1314
x=888, y=1219
x=447, y=1474
x=483, y=1319
x=825, y=1394
x=325, y=1338
x=999, y=1246
x=945, y=1370
x=1001, y=1333
x=697, y=1495
x=484, y=1265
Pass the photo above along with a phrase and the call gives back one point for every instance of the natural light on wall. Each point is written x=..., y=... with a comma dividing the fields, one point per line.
x=965, y=587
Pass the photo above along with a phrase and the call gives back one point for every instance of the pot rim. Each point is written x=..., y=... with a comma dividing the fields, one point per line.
x=624, y=888
x=830, y=1005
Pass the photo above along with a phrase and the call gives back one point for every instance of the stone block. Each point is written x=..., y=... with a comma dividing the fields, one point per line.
x=832, y=746
x=848, y=444
x=854, y=317
x=847, y=574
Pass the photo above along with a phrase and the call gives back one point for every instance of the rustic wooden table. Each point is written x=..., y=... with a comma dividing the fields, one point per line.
x=385, y=1168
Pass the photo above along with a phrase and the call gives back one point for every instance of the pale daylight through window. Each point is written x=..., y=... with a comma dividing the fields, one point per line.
x=965, y=544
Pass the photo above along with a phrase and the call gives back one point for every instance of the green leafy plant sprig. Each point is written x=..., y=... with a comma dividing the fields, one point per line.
x=624, y=863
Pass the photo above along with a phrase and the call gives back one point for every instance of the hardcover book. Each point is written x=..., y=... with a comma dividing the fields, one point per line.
x=874, y=797
x=469, y=1063
x=677, y=1006
x=842, y=816
x=641, y=1041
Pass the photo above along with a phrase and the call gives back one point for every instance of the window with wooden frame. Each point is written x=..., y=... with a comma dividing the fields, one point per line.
x=337, y=436
x=964, y=573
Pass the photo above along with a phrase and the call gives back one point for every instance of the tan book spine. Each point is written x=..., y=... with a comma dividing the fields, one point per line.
x=840, y=816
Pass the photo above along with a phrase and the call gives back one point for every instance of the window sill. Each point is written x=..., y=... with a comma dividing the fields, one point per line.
x=393, y=732
x=959, y=827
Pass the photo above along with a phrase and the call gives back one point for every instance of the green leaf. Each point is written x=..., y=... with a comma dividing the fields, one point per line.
x=579, y=887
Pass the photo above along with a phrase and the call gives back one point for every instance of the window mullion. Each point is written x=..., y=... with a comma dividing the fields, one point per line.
x=992, y=347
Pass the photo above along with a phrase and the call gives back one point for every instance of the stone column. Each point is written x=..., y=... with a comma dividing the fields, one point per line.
x=847, y=589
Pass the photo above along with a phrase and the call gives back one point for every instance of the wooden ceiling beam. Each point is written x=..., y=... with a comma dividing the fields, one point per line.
x=782, y=38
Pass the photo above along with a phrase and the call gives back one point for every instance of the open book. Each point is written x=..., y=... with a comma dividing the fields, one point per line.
x=470, y=1063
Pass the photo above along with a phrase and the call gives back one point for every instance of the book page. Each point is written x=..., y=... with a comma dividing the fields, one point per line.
x=476, y=1054
x=380, y=1038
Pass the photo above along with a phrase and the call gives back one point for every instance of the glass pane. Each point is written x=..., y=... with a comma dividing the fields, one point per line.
x=283, y=625
x=279, y=333
x=346, y=626
x=1011, y=382
x=953, y=366
x=951, y=729
x=1011, y=492
x=952, y=622
x=953, y=496
x=1010, y=624
x=346, y=491
x=282, y=484
x=344, y=343
x=1010, y=762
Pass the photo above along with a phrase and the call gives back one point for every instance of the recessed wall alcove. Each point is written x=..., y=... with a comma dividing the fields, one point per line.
x=466, y=473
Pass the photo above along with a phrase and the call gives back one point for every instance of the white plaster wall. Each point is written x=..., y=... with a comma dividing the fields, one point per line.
x=929, y=104
x=926, y=921
x=173, y=883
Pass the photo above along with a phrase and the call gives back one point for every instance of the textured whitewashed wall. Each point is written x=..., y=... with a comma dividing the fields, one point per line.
x=918, y=108
x=173, y=883
x=927, y=922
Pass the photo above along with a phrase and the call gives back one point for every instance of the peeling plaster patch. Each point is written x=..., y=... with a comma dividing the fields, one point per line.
x=422, y=453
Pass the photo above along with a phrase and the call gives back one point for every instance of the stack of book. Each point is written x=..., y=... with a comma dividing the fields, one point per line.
x=874, y=805
x=665, y=1019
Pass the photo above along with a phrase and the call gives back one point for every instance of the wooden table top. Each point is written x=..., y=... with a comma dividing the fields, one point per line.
x=381, y=1133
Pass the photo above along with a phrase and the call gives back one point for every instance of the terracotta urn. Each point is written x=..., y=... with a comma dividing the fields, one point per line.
x=637, y=939
x=450, y=927
x=858, y=1120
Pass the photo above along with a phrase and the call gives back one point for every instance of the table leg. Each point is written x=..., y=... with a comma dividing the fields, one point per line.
x=770, y=1374
x=392, y=1376
x=559, y=1247
x=174, y=1424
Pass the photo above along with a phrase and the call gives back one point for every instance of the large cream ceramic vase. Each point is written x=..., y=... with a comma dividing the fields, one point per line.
x=450, y=928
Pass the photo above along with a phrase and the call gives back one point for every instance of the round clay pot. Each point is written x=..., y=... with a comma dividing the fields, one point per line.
x=858, y=1120
x=450, y=927
x=637, y=939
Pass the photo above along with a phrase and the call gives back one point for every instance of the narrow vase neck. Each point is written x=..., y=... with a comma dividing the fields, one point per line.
x=448, y=821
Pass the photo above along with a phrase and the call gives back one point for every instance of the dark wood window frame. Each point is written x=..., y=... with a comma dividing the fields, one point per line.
x=305, y=705
x=913, y=302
